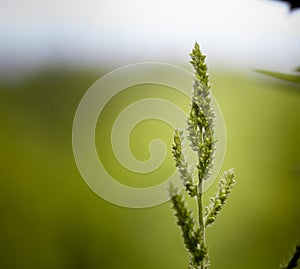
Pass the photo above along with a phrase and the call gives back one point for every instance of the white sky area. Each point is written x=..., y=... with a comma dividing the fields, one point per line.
x=232, y=33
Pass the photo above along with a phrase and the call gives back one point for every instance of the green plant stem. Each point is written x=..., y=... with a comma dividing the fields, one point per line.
x=199, y=198
x=200, y=216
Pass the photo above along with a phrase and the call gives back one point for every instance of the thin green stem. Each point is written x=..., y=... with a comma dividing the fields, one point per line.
x=200, y=216
x=200, y=207
x=200, y=202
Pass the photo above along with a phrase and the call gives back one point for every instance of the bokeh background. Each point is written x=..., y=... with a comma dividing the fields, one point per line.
x=51, y=52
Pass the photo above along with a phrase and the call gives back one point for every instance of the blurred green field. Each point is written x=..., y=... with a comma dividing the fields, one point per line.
x=51, y=219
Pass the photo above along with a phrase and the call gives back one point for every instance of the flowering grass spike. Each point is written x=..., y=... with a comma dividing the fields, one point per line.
x=200, y=127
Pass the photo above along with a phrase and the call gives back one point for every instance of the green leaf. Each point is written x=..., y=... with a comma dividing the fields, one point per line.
x=282, y=76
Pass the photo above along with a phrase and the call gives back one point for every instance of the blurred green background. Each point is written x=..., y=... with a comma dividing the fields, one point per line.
x=51, y=219
x=52, y=51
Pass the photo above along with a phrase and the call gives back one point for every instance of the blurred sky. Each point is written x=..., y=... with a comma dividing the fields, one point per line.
x=233, y=33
